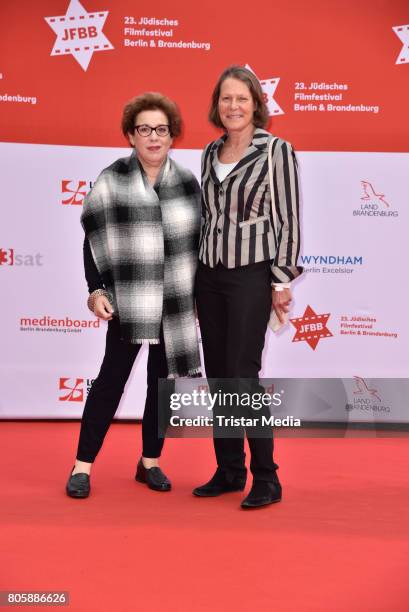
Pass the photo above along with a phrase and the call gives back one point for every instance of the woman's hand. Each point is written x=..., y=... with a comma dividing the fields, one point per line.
x=281, y=303
x=103, y=308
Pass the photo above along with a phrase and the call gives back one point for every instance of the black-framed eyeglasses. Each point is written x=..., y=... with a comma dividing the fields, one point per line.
x=146, y=130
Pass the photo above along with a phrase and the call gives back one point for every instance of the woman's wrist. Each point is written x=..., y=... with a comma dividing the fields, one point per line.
x=93, y=296
x=280, y=286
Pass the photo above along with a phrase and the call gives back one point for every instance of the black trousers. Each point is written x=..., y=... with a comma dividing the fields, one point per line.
x=107, y=389
x=234, y=308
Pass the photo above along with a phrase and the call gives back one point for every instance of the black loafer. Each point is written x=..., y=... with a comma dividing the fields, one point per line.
x=219, y=484
x=153, y=477
x=262, y=494
x=78, y=485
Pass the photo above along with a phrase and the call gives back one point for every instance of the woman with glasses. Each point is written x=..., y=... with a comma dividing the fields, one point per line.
x=141, y=222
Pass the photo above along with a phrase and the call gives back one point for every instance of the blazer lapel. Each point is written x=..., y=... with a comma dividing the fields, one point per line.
x=257, y=147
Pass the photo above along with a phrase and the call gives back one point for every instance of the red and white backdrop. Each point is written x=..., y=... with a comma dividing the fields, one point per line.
x=336, y=80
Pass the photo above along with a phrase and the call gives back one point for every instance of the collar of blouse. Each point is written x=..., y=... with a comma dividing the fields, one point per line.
x=257, y=147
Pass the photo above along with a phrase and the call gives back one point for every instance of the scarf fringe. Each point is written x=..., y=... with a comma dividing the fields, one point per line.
x=196, y=372
x=146, y=341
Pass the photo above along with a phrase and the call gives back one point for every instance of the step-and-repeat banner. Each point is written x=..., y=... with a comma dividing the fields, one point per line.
x=336, y=80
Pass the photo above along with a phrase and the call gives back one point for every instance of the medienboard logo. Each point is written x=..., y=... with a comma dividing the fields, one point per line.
x=9, y=257
x=373, y=203
x=311, y=327
x=402, y=32
x=50, y=324
x=269, y=86
x=74, y=389
x=79, y=33
x=73, y=192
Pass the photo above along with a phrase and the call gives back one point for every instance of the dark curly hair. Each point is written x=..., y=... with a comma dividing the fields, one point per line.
x=151, y=101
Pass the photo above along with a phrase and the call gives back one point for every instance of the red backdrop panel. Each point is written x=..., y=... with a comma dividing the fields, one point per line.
x=347, y=43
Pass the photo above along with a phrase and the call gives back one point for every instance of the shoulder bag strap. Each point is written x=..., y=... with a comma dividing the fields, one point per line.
x=271, y=163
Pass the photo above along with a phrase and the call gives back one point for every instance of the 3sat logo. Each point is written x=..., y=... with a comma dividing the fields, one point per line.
x=9, y=257
x=311, y=327
x=73, y=192
x=74, y=389
x=6, y=257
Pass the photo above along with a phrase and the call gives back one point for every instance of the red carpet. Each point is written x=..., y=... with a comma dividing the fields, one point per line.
x=339, y=541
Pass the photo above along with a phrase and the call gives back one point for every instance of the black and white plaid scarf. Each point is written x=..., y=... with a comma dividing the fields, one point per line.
x=144, y=243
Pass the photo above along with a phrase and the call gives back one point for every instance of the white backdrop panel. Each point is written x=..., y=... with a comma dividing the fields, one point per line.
x=52, y=348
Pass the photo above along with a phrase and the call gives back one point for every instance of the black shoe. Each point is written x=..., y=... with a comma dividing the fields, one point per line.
x=78, y=485
x=262, y=493
x=219, y=484
x=153, y=477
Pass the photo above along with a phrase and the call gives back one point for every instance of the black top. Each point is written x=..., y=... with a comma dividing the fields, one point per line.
x=92, y=275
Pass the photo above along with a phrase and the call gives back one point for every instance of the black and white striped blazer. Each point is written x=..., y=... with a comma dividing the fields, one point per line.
x=237, y=222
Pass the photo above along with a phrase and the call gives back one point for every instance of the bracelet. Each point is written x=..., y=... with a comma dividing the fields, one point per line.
x=93, y=296
x=278, y=288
